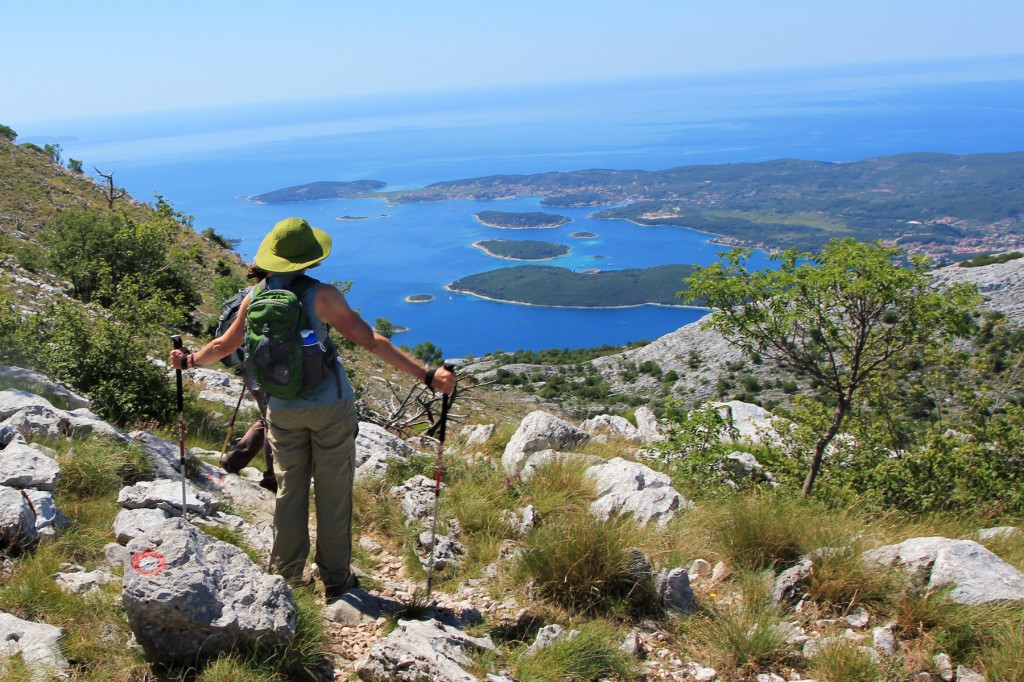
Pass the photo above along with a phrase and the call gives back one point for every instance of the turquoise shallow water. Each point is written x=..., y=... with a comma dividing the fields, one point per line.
x=206, y=161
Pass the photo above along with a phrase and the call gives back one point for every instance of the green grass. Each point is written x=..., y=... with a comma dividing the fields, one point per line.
x=759, y=531
x=844, y=662
x=742, y=637
x=840, y=580
x=592, y=655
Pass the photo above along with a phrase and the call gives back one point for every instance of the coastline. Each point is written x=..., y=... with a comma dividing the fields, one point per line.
x=449, y=287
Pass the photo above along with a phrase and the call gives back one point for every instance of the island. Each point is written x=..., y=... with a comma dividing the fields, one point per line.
x=583, y=235
x=419, y=298
x=318, y=191
x=521, y=249
x=521, y=221
x=351, y=218
x=545, y=285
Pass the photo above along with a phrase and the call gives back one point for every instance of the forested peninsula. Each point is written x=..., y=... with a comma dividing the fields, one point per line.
x=545, y=285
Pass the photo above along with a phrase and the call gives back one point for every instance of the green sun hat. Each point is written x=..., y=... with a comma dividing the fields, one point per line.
x=292, y=245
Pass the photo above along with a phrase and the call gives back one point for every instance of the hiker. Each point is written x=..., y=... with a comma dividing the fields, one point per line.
x=313, y=436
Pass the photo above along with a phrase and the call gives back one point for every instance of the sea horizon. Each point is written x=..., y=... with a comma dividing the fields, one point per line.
x=205, y=161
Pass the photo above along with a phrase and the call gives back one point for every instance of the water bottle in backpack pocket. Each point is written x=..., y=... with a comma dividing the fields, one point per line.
x=312, y=358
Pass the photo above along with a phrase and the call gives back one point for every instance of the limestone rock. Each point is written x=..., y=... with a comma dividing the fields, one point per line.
x=647, y=425
x=673, y=587
x=26, y=466
x=17, y=522
x=539, y=431
x=417, y=496
x=166, y=494
x=36, y=644
x=978, y=575
x=625, y=487
x=188, y=596
x=478, y=434
x=611, y=425
x=422, y=650
x=375, y=447
x=65, y=396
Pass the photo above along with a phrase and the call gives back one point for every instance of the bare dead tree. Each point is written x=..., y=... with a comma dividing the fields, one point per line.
x=111, y=193
x=408, y=410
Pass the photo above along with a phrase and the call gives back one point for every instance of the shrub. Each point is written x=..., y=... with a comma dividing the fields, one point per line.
x=587, y=565
x=102, y=357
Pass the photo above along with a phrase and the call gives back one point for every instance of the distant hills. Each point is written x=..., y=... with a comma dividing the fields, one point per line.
x=940, y=204
x=318, y=191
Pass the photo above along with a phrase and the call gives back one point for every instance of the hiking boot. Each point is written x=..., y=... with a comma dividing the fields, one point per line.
x=269, y=482
x=334, y=592
x=226, y=465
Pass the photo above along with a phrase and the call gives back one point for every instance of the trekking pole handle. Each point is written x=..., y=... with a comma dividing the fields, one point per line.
x=176, y=340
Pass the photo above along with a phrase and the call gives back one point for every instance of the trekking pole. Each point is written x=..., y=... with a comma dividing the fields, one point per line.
x=231, y=424
x=176, y=339
x=445, y=403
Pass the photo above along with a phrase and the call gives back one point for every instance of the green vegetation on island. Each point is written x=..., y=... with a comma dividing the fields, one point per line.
x=530, y=219
x=319, y=191
x=419, y=298
x=550, y=286
x=522, y=249
x=583, y=235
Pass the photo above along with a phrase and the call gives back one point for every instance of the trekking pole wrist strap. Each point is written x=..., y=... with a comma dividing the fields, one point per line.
x=428, y=379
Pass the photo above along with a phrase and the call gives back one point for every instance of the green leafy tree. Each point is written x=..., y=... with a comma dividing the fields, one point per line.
x=841, y=317
x=384, y=327
x=103, y=254
x=53, y=151
x=75, y=165
x=7, y=133
x=427, y=352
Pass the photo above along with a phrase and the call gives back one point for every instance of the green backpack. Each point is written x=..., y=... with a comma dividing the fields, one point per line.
x=273, y=347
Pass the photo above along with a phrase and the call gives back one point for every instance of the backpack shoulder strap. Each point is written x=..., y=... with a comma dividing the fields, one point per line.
x=301, y=285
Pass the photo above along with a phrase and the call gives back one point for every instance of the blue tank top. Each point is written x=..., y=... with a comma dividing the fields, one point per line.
x=327, y=392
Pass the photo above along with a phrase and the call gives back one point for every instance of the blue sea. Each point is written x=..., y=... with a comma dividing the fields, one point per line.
x=207, y=161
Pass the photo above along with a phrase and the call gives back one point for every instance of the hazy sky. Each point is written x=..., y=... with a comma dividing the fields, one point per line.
x=70, y=59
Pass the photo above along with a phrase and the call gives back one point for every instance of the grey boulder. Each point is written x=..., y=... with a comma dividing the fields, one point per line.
x=188, y=596
x=977, y=575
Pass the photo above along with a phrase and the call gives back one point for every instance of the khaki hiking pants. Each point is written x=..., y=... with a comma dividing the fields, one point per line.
x=317, y=443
